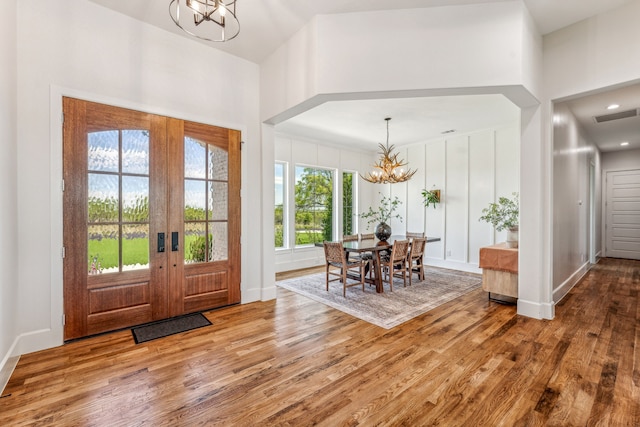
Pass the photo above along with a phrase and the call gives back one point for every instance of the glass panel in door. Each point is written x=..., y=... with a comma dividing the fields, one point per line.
x=118, y=201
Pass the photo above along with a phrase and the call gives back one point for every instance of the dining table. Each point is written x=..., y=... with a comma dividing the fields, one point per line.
x=375, y=247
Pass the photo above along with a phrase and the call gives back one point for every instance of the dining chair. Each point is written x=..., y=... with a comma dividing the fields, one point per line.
x=336, y=258
x=395, y=264
x=413, y=234
x=366, y=257
x=415, y=263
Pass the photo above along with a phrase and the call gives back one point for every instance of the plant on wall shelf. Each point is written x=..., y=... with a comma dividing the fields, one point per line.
x=430, y=197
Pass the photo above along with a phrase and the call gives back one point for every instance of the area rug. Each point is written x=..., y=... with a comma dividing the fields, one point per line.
x=388, y=309
x=164, y=328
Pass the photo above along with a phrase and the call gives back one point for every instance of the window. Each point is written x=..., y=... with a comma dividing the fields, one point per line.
x=348, y=203
x=314, y=205
x=118, y=201
x=279, y=213
x=206, y=202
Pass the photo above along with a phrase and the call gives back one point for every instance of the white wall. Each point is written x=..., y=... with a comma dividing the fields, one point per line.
x=471, y=170
x=482, y=35
x=77, y=48
x=573, y=153
x=423, y=49
x=621, y=160
x=8, y=196
x=595, y=53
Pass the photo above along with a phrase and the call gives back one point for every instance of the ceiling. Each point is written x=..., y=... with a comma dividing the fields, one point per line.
x=608, y=135
x=360, y=124
x=267, y=24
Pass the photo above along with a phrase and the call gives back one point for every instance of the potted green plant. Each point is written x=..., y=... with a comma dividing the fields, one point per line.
x=430, y=197
x=504, y=215
x=382, y=215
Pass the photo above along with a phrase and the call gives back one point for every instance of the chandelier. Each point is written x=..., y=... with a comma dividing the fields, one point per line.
x=211, y=20
x=388, y=170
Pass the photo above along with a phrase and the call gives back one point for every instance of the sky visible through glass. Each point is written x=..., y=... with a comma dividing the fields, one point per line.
x=104, y=157
x=279, y=183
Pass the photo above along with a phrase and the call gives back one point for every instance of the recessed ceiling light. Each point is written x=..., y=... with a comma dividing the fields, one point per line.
x=624, y=144
x=613, y=106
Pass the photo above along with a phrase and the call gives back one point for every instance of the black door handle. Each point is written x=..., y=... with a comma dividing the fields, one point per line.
x=174, y=241
x=160, y=242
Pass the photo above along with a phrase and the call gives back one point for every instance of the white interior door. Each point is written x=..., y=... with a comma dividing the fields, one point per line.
x=623, y=214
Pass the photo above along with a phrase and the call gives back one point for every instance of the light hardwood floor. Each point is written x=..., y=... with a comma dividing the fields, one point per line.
x=296, y=362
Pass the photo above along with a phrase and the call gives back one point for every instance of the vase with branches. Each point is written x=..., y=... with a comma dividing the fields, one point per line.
x=382, y=215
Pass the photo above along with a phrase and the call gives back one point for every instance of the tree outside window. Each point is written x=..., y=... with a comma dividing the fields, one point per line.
x=314, y=205
x=348, y=197
x=280, y=191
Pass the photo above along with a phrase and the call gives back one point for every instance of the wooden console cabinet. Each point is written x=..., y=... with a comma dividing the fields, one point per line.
x=499, y=265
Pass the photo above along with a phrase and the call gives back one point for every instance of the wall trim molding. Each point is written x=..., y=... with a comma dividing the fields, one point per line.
x=536, y=310
x=27, y=343
x=452, y=265
x=8, y=365
x=269, y=293
x=566, y=286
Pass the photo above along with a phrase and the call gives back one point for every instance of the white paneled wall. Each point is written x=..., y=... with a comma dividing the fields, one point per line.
x=482, y=161
x=457, y=198
x=436, y=177
x=415, y=217
x=470, y=170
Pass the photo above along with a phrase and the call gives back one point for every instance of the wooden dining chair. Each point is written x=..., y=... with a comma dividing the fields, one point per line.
x=413, y=234
x=336, y=258
x=395, y=264
x=415, y=263
x=351, y=238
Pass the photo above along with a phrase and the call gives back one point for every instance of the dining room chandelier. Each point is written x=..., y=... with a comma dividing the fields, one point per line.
x=211, y=20
x=388, y=170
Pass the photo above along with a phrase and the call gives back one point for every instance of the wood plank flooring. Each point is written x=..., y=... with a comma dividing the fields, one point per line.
x=296, y=362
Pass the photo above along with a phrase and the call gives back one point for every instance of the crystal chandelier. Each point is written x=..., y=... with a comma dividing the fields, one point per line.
x=388, y=170
x=211, y=20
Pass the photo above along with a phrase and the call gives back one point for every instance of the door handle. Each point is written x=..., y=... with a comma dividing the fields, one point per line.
x=174, y=241
x=160, y=242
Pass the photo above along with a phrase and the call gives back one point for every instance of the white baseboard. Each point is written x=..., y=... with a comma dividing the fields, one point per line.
x=536, y=310
x=6, y=371
x=8, y=364
x=562, y=290
x=259, y=294
x=39, y=340
x=27, y=343
x=299, y=264
x=269, y=293
x=452, y=265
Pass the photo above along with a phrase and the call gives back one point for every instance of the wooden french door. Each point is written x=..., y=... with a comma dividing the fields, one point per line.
x=151, y=224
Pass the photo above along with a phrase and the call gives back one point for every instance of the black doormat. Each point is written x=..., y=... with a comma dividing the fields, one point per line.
x=164, y=328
